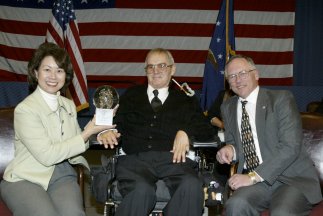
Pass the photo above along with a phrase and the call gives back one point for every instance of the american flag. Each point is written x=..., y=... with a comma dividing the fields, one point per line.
x=63, y=30
x=221, y=49
x=116, y=35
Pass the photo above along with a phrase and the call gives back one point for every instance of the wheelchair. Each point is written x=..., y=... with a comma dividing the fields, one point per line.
x=197, y=153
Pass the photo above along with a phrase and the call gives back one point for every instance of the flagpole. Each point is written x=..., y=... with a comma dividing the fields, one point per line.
x=227, y=54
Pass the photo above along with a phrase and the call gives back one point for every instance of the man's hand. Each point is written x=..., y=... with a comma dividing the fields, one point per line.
x=225, y=154
x=180, y=147
x=239, y=180
x=109, y=138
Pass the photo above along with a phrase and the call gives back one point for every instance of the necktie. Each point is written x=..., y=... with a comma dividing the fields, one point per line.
x=156, y=103
x=248, y=144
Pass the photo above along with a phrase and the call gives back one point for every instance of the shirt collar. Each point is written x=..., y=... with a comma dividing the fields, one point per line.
x=162, y=93
x=50, y=99
x=54, y=102
x=252, y=98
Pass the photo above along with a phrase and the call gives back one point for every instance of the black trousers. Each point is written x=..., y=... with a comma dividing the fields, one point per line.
x=137, y=175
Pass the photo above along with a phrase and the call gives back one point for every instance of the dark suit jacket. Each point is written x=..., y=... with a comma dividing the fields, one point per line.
x=279, y=131
x=144, y=130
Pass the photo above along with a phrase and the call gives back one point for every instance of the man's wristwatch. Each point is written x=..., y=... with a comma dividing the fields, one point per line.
x=252, y=176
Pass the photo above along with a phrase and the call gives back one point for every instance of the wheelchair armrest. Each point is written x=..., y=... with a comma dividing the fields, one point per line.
x=215, y=142
x=197, y=151
x=94, y=144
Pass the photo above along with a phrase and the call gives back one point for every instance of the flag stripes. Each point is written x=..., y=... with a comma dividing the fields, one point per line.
x=116, y=40
x=63, y=31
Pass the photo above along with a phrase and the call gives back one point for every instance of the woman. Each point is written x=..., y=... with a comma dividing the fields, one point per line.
x=40, y=179
x=214, y=113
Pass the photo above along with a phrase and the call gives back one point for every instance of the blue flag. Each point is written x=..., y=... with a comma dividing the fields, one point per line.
x=221, y=48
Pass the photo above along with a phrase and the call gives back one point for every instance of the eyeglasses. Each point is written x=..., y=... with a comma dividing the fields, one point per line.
x=159, y=67
x=242, y=75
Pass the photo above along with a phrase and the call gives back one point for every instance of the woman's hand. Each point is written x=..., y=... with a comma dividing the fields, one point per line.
x=91, y=128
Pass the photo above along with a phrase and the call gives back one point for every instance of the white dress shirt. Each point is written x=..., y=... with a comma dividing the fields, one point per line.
x=251, y=110
x=162, y=93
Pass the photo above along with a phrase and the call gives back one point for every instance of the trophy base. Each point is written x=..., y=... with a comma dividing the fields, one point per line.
x=103, y=116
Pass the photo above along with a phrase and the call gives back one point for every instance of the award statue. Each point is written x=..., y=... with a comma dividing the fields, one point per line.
x=105, y=99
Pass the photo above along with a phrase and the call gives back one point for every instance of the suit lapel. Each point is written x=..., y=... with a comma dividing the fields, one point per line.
x=261, y=114
x=233, y=119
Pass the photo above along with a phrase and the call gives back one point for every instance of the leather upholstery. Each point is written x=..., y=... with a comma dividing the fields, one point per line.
x=6, y=148
x=6, y=138
x=314, y=122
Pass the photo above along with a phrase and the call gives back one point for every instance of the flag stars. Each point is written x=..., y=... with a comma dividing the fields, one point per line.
x=64, y=12
x=220, y=56
x=218, y=40
x=218, y=23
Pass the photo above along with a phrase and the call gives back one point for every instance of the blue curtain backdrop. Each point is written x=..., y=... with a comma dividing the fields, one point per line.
x=308, y=59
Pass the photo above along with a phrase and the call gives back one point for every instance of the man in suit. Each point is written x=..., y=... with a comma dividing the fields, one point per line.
x=155, y=129
x=281, y=176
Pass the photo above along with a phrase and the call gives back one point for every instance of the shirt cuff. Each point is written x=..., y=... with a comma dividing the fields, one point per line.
x=99, y=134
x=261, y=179
x=234, y=152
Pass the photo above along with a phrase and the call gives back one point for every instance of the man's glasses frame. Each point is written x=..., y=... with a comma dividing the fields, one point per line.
x=242, y=75
x=159, y=67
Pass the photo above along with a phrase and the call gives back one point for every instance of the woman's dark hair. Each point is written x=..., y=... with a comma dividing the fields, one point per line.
x=61, y=57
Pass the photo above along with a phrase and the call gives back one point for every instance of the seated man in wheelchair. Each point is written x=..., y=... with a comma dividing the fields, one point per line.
x=155, y=128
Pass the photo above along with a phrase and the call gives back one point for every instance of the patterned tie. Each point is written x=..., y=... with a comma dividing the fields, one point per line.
x=249, y=149
x=156, y=102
